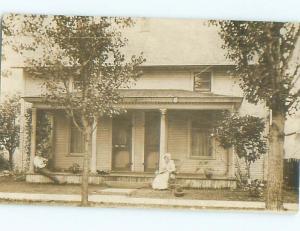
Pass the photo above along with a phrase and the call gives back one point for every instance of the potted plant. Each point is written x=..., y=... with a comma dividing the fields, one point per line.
x=178, y=192
x=75, y=168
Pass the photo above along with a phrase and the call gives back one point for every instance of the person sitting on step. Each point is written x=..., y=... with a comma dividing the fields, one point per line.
x=161, y=180
x=40, y=164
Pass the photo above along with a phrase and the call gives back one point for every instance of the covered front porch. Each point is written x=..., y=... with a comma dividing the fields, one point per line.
x=137, y=180
x=130, y=147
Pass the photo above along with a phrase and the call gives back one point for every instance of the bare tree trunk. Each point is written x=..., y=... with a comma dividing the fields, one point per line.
x=11, y=164
x=248, y=164
x=85, y=172
x=274, y=199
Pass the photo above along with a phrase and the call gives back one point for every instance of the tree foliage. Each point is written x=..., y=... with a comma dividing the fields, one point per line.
x=266, y=61
x=266, y=58
x=79, y=59
x=81, y=63
x=43, y=135
x=245, y=134
x=9, y=133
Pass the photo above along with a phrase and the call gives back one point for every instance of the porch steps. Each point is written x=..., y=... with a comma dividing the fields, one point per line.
x=119, y=180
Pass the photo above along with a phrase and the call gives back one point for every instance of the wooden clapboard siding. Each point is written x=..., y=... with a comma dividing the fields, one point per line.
x=177, y=135
x=256, y=169
x=138, y=140
x=32, y=86
x=179, y=147
x=62, y=157
x=104, y=144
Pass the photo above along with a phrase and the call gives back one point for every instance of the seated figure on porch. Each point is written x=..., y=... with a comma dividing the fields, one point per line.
x=161, y=180
x=40, y=164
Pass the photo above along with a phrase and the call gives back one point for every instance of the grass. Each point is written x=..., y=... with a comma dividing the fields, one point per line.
x=8, y=184
x=213, y=194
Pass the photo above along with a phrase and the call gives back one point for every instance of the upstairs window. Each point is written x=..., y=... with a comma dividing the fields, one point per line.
x=202, y=81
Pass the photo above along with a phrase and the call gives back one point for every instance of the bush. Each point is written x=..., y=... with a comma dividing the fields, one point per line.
x=75, y=168
x=245, y=134
x=4, y=163
x=255, y=188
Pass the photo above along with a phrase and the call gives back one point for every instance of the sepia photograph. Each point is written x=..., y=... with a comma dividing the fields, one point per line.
x=144, y=112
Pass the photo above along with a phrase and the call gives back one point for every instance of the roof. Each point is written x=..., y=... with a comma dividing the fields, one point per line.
x=172, y=42
x=169, y=93
x=176, y=42
x=175, y=98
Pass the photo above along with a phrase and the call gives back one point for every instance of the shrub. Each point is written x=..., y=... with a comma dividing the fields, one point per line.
x=245, y=134
x=255, y=188
x=4, y=164
x=75, y=168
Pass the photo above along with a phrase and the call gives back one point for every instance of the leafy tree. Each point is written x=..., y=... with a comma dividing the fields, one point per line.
x=81, y=62
x=245, y=134
x=265, y=54
x=9, y=127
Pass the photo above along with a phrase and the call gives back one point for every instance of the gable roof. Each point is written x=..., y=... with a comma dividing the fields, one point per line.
x=165, y=42
x=176, y=42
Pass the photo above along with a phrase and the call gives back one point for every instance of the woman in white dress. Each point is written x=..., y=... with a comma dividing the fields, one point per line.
x=161, y=180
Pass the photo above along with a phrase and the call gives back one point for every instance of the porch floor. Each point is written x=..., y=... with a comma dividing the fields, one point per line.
x=137, y=180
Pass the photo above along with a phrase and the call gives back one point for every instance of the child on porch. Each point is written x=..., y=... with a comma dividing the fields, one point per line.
x=161, y=181
x=40, y=164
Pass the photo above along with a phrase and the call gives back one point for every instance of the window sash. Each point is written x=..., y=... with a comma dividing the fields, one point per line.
x=77, y=140
x=201, y=143
x=202, y=81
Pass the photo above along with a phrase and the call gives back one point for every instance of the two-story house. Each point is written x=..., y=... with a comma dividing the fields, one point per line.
x=170, y=108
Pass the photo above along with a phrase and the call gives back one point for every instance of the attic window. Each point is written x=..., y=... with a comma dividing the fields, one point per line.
x=202, y=81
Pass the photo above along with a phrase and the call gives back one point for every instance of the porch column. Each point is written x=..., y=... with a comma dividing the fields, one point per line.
x=163, y=134
x=32, y=139
x=94, y=149
x=231, y=162
x=51, y=141
x=231, y=153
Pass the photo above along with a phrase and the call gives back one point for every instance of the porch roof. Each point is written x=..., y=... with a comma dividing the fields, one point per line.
x=164, y=98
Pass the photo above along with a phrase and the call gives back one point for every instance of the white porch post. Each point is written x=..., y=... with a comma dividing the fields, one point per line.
x=163, y=134
x=33, y=139
x=231, y=164
x=94, y=149
x=51, y=118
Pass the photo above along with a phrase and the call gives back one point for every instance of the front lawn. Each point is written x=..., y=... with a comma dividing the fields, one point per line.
x=8, y=184
x=213, y=194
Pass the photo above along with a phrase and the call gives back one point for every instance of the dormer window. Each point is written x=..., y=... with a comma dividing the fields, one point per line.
x=202, y=81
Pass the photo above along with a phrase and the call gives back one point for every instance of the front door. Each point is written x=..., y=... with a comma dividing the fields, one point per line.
x=121, y=140
x=152, y=137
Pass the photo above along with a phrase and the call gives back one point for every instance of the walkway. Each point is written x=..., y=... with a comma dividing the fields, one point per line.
x=149, y=202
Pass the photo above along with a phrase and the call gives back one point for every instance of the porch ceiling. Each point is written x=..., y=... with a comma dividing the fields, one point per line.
x=169, y=99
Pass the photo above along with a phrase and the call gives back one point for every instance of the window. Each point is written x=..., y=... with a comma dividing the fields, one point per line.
x=202, y=81
x=77, y=140
x=201, y=139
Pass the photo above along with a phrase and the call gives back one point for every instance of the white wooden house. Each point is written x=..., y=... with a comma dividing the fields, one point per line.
x=169, y=109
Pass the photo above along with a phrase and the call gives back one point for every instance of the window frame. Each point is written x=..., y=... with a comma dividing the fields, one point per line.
x=70, y=141
x=212, y=156
x=210, y=81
